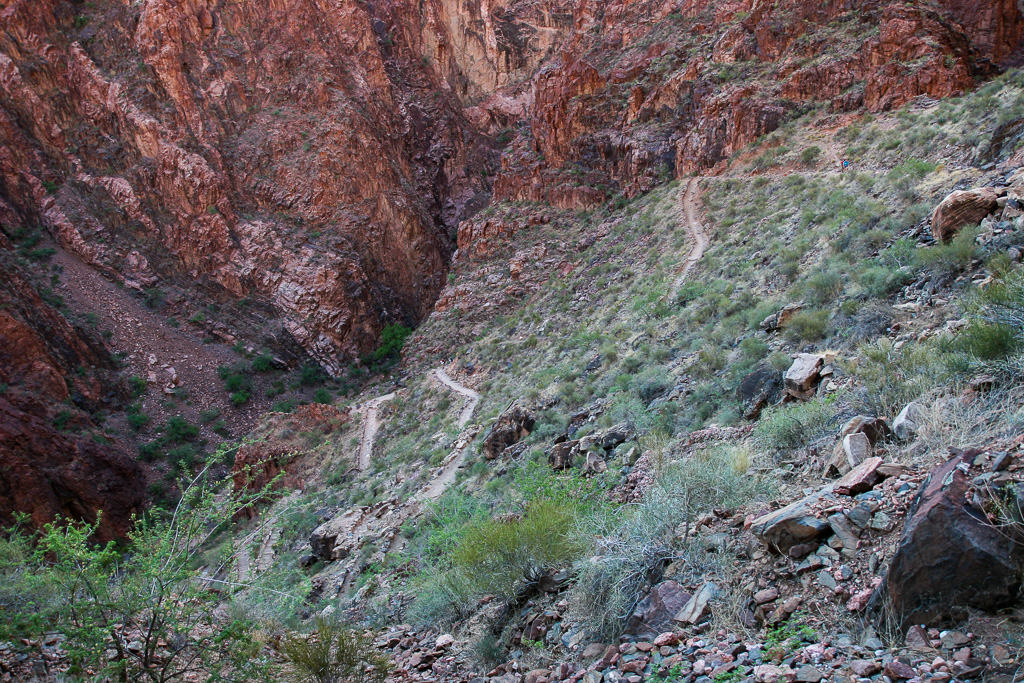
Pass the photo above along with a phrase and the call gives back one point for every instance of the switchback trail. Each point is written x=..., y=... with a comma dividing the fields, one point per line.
x=688, y=212
x=370, y=426
x=472, y=397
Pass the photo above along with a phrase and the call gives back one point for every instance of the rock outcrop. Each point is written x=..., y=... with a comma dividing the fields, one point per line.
x=511, y=427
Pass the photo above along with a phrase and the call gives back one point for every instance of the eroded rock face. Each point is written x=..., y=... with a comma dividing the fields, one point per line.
x=54, y=461
x=280, y=152
x=319, y=161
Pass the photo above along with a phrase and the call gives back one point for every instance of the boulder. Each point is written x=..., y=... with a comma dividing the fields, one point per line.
x=857, y=448
x=792, y=525
x=950, y=555
x=612, y=437
x=861, y=478
x=760, y=388
x=562, y=454
x=595, y=463
x=875, y=428
x=510, y=428
x=803, y=375
x=960, y=208
x=654, y=613
x=908, y=422
x=779, y=320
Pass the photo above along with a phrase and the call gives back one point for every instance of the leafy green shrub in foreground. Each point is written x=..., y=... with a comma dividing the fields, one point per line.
x=137, y=613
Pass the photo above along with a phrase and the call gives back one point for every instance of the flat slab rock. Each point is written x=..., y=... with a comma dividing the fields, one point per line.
x=792, y=525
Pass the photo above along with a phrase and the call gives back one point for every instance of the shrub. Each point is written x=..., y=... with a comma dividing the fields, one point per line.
x=810, y=155
x=807, y=325
x=311, y=374
x=501, y=554
x=795, y=425
x=137, y=386
x=879, y=281
x=178, y=429
x=237, y=382
x=333, y=653
x=631, y=547
x=138, y=420
x=894, y=377
x=262, y=363
x=951, y=258
x=61, y=419
x=391, y=341
x=154, y=297
x=322, y=395
x=988, y=342
x=62, y=581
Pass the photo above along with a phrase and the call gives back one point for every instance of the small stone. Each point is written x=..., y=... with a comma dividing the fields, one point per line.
x=953, y=639
x=917, y=639
x=808, y=674
x=443, y=641
x=1001, y=461
x=873, y=644
x=898, y=670
x=767, y=595
x=826, y=580
x=881, y=522
x=865, y=668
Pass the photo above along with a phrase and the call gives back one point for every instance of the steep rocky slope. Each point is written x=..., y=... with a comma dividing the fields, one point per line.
x=54, y=378
x=600, y=337
x=319, y=159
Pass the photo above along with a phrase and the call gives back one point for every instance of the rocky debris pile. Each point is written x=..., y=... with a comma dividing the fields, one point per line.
x=796, y=652
x=594, y=448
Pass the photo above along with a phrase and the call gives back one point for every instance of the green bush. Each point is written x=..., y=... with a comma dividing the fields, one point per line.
x=809, y=155
x=60, y=580
x=138, y=420
x=322, y=395
x=807, y=325
x=178, y=429
x=500, y=555
x=795, y=425
x=391, y=341
x=879, y=281
x=311, y=374
x=951, y=258
x=263, y=363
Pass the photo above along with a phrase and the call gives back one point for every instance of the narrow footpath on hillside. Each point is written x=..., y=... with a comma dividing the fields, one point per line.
x=371, y=424
x=454, y=461
x=686, y=205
